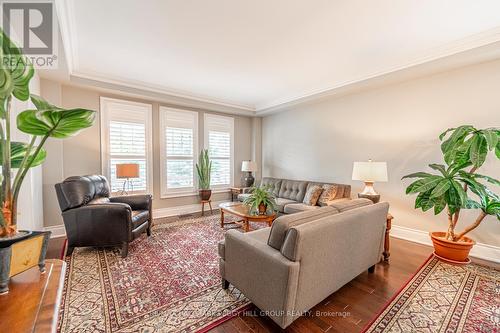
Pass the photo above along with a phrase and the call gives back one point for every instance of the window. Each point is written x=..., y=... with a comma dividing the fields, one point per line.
x=126, y=138
x=219, y=140
x=179, y=149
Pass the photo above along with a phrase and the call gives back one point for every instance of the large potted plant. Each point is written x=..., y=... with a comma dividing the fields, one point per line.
x=457, y=186
x=261, y=199
x=204, y=169
x=46, y=121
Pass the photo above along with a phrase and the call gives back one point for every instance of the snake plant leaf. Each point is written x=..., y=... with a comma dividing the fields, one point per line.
x=17, y=152
x=18, y=66
x=56, y=123
x=478, y=150
x=440, y=188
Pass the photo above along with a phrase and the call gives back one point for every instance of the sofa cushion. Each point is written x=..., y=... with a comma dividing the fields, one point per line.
x=329, y=193
x=261, y=235
x=281, y=202
x=274, y=184
x=344, y=205
x=283, y=223
x=298, y=207
x=312, y=195
x=293, y=190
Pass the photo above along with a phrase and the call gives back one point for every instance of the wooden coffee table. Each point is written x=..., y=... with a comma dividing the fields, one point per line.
x=240, y=210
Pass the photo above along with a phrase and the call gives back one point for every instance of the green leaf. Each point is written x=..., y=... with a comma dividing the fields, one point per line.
x=471, y=204
x=442, y=135
x=439, y=167
x=42, y=104
x=17, y=152
x=423, y=185
x=439, y=204
x=55, y=123
x=460, y=191
x=478, y=151
x=491, y=138
x=487, y=178
x=457, y=136
x=493, y=208
x=441, y=188
x=417, y=175
x=497, y=150
x=18, y=66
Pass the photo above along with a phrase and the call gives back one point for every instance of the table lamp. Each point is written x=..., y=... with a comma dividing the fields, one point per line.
x=127, y=171
x=249, y=167
x=369, y=172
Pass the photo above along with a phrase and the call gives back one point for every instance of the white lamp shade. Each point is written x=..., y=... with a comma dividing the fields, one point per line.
x=370, y=171
x=248, y=166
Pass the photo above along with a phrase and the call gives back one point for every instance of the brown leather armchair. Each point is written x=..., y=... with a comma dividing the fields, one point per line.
x=92, y=218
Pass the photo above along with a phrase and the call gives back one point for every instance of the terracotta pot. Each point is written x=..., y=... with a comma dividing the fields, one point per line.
x=205, y=194
x=262, y=209
x=455, y=251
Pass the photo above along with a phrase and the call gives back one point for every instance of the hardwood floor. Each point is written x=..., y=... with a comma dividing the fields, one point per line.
x=347, y=310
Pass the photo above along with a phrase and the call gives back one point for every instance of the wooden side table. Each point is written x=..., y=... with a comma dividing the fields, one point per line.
x=203, y=202
x=387, y=243
x=32, y=304
x=235, y=191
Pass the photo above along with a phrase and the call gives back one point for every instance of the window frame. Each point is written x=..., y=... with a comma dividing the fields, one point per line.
x=109, y=105
x=188, y=191
x=206, y=130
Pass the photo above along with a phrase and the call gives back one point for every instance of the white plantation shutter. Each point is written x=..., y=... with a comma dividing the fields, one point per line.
x=126, y=138
x=179, y=149
x=219, y=136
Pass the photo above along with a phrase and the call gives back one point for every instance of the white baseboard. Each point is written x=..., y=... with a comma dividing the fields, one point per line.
x=181, y=210
x=481, y=251
x=57, y=231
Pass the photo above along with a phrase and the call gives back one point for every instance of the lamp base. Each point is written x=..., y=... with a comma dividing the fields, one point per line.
x=127, y=186
x=373, y=197
x=248, y=180
x=369, y=193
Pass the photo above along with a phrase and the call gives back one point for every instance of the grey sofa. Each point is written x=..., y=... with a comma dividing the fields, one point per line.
x=290, y=267
x=290, y=193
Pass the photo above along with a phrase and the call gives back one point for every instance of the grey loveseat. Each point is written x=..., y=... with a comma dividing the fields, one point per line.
x=290, y=267
x=290, y=193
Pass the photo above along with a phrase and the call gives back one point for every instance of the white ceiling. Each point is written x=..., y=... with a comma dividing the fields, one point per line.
x=262, y=53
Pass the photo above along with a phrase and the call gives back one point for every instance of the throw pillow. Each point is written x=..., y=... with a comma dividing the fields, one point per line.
x=312, y=195
x=329, y=193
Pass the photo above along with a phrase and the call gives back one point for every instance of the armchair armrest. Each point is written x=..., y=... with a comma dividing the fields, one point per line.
x=136, y=202
x=100, y=224
x=262, y=273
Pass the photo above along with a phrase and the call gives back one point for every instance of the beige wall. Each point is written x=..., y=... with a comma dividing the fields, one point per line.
x=398, y=124
x=80, y=155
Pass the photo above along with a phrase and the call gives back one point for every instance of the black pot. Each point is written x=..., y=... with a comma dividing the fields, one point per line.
x=205, y=194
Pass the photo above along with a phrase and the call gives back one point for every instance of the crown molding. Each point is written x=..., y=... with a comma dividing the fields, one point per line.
x=67, y=26
x=484, y=46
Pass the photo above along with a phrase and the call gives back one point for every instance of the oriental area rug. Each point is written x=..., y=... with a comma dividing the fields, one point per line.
x=169, y=282
x=444, y=297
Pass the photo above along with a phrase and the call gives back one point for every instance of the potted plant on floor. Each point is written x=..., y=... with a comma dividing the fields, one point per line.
x=46, y=121
x=204, y=169
x=260, y=200
x=457, y=186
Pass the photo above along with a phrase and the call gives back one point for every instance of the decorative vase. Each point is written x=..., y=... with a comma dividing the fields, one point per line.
x=248, y=180
x=205, y=194
x=450, y=250
x=262, y=209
